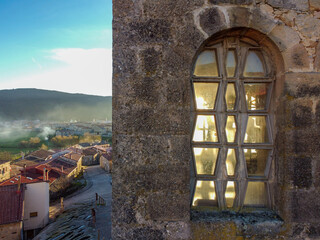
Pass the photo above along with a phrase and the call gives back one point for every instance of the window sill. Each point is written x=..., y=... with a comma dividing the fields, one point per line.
x=248, y=221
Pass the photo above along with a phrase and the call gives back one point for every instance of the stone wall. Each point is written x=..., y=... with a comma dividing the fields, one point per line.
x=154, y=45
x=11, y=231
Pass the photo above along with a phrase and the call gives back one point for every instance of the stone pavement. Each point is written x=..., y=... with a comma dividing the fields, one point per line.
x=76, y=221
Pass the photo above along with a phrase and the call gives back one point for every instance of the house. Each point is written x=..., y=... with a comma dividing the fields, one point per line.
x=40, y=154
x=11, y=212
x=74, y=158
x=90, y=157
x=63, y=166
x=106, y=161
x=4, y=170
x=35, y=197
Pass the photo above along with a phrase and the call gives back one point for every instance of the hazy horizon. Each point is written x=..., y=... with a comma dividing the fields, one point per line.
x=10, y=89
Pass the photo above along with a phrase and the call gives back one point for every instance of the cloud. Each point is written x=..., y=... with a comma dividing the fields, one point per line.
x=80, y=70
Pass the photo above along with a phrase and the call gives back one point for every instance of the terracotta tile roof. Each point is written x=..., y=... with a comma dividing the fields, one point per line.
x=59, y=164
x=28, y=162
x=89, y=151
x=11, y=207
x=41, y=154
x=32, y=175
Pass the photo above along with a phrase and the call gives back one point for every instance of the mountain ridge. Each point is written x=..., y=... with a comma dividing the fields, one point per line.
x=51, y=105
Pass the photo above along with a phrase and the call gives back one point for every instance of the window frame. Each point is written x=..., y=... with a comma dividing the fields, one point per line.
x=242, y=46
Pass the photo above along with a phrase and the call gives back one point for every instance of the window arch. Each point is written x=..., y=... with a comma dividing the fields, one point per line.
x=232, y=139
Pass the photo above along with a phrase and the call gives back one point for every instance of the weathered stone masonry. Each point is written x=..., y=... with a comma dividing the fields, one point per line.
x=154, y=46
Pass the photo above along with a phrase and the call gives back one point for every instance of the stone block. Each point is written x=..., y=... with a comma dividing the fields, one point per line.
x=284, y=37
x=178, y=231
x=177, y=62
x=301, y=143
x=317, y=58
x=178, y=91
x=170, y=8
x=212, y=20
x=305, y=206
x=168, y=206
x=296, y=58
x=301, y=85
x=136, y=118
x=308, y=26
x=317, y=120
x=151, y=61
x=125, y=9
x=314, y=4
x=316, y=171
x=314, y=231
x=300, y=5
x=144, y=233
x=302, y=116
x=238, y=16
x=262, y=22
x=123, y=209
x=149, y=31
x=231, y=1
x=179, y=148
x=125, y=62
x=302, y=175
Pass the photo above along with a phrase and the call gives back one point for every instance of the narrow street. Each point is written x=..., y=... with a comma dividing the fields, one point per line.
x=76, y=220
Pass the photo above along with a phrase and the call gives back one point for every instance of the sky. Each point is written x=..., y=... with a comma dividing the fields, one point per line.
x=63, y=45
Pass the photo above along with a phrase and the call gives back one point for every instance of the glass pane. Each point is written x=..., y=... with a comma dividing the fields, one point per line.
x=205, y=94
x=256, y=194
x=206, y=159
x=231, y=96
x=206, y=64
x=205, y=194
x=231, y=128
x=231, y=162
x=205, y=129
x=231, y=63
x=254, y=66
x=256, y=95
x=230, y=194
x=256, y=130
x=256, y=160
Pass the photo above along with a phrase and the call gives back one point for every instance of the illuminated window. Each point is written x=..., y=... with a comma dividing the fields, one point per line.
x=232, y=139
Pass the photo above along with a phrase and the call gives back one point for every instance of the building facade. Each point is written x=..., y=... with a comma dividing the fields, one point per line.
x=4, y=170
x=215, y=119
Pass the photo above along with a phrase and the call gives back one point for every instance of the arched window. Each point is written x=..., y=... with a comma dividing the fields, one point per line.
x=232, y=137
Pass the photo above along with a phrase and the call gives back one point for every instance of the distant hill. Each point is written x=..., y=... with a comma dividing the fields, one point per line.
x=32, y=104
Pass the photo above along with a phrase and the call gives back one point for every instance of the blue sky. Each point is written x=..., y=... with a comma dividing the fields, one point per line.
x=61, y=45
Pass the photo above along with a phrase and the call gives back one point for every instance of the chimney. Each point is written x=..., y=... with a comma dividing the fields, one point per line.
x=62, y=169
x=25, y=170
x=44, y=174
x=19, y=183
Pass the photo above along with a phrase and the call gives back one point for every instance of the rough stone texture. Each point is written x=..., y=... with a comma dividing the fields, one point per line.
x=212, y=20
x=317, y=58
x=314, y=4
x=154, y=47
x=301, y=5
